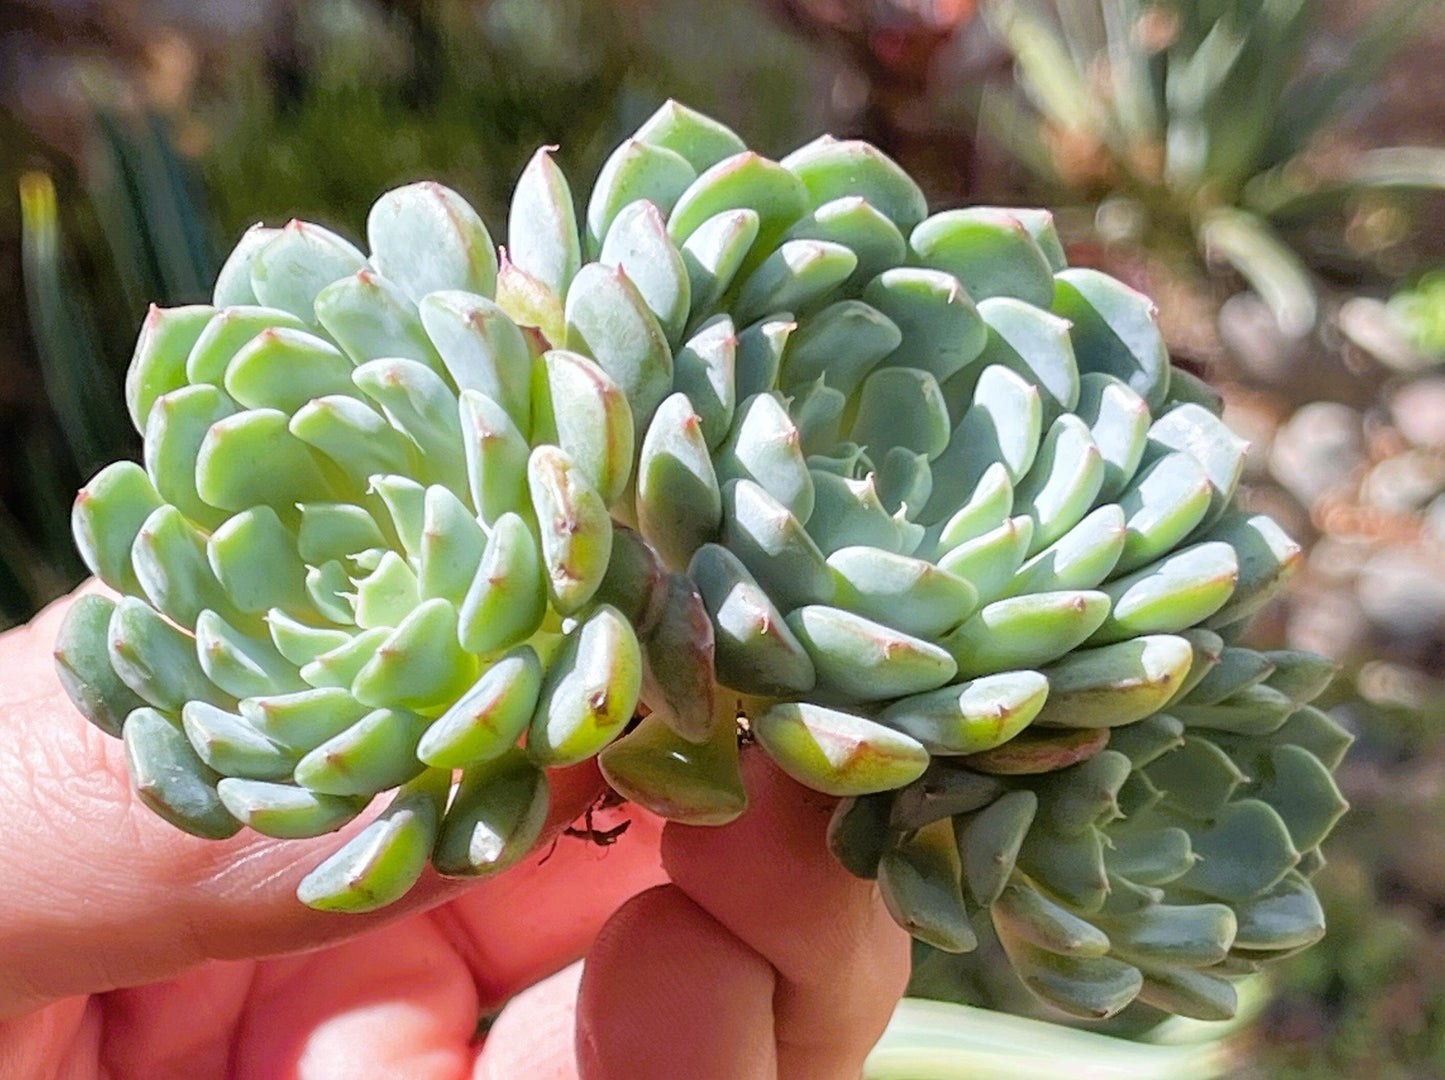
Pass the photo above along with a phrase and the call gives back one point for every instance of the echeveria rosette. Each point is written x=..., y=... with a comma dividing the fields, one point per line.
x=750, y=447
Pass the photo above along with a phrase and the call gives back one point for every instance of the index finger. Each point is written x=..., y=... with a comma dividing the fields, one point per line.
x=96, y=892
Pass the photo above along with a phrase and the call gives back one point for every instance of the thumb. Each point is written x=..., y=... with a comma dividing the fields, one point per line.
x=97, y=892
x=762, y=958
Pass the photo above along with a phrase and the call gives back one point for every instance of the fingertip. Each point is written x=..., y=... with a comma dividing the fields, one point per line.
x=770, y=878
x=170, y=901
x=669, y=992
x=533, y=1036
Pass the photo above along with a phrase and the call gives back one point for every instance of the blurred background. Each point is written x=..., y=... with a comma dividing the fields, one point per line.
x=1272, y=172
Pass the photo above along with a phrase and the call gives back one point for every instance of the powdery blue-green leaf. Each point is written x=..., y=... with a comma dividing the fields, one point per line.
x=1114, y=331
x=705, y=369
x=482, y=349
x=376, y=753
x=590, y=692
x=696, y=783
x=1026, y=631
x=586, y=413
x=714, y=252
x=608, y=320
x=507, y=598
x=283, y=811
x=797, y=274
x=638, y=244
x=744, y=181
x=773, y=545
x=679, y=502
x=232, y=746
x=106, y=518
x=1034, y=344
x=833, y=169
x=756, y=652
x=856, y=224
x=858, y=659
x=989, y=251
x=488, y=719
x=255, y=560
x=700, y=140
x=233, y=280
x=425, y=238
x=158, y=365
x=919, y=883
x=297, y=263
x=228, y=330
x=170, y=779
x=635, y=171
x=940, y=329
x=542, y=236
x=419, y=664
x=576, y=531
x=841, y=344
x=911, y=595
x=494, y=818
x=1115, y=684
x=82, y=661
x=381, y=863
x=970, y=717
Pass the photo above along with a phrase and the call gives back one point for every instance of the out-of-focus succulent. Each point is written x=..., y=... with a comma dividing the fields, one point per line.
x=1205, y=137
x=748, y=446
x=1405, y=332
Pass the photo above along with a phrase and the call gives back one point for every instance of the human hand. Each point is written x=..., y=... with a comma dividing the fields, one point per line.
x=132, y=950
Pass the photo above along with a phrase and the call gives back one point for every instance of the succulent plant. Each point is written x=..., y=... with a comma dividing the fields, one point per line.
x=749, y=449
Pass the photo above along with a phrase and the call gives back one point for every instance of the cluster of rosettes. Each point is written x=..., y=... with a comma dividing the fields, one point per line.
x=755, y=449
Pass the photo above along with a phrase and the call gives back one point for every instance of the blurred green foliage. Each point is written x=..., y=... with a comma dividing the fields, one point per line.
x=364, y=96
x=1421, y=311
x=1369, y=1001
x=1191, y=123
x=347, y=99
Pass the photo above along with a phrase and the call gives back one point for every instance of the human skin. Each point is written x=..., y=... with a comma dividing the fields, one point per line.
x=128, y=949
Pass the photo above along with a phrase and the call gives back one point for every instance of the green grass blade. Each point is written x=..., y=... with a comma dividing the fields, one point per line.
x=81, y=390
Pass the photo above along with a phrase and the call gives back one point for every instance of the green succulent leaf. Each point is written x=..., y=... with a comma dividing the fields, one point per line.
x=426, y=238
x=168, y=777
x=838, y=753
x=495, y=817
x=380, y=864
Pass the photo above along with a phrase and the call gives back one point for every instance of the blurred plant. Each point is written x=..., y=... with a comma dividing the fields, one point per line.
x=1406, y=332
x=894, y=48
x=177, y=138
x=934, y=1038
x=152, y=224
x=1371, y=1001
x=1194, y=126
x=1421, y=310
x=353, y=96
